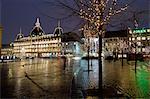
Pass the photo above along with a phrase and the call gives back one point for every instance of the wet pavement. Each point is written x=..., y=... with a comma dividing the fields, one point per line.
x=38, y=78
x=51, y=78
x=120, y=79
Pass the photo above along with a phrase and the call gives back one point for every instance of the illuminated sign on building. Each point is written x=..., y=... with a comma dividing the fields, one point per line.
x=140, y=31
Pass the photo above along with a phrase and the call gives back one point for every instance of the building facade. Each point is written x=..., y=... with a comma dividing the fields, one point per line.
x=115, y=42
x=72, y=45
x=128, y=41
x=139, y=41
x=93, y=44
x=38, y=43
x=6, y=50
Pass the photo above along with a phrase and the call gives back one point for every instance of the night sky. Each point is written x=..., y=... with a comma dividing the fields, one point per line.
x=23, y=13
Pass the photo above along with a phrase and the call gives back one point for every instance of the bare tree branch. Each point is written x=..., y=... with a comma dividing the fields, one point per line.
x=96, y=13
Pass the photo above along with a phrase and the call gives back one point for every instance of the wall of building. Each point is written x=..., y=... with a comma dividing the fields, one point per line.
x=6, y=51
x=139, y=40
x=92, y=42
x=42, y=46
x=72, y=48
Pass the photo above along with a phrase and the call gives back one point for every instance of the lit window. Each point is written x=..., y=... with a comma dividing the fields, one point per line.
x=139, y=49
x=148, y=30
x=130, y=31
x=143, y=38
x=130, y=39
x=143, y=49
x=138, y=38
x=133, y=39
x=139, y=43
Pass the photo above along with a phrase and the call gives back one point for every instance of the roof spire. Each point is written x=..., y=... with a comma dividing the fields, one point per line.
x=20, y=34
x=58, y=23
x=37, y=24
x=20, y=31
x=58, y=30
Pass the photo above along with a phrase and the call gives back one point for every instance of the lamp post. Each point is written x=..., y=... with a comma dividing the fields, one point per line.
x=134, y=44
x=135, y=54
x=136, y=26
x=121, y=46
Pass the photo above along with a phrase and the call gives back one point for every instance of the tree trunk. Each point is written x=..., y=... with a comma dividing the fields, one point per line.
x=88, y=58
x=122, y=57
x=100, y=66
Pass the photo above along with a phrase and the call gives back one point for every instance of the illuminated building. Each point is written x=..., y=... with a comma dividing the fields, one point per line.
x=72, y=45
x=92, y=42
x=113, y=42
x=38, y=43
x=139, y=41
x=136, y=40
x=6, y=50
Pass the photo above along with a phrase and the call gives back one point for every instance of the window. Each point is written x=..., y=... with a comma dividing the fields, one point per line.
x=138, y=38
x=148, y=30
x=139, y=43
x=130, y=32
x=106, y=44
x=143, y=49
x=133, y=39
x=143, y=38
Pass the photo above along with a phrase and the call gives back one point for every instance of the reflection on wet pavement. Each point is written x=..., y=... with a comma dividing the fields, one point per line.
x=37, y=78
x=122, y=79
x=50, y=78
